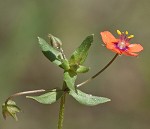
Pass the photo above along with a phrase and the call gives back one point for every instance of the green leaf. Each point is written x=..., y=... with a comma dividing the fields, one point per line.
x=88, y=99
x=80, y=54
x=69, y=78
x=51, y=53
x=10, y=109
x=65, y=64
x=82, y=69
x=48, y=98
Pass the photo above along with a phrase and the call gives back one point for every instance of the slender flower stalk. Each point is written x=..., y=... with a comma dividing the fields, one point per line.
x=94, y=76
x=24, y=93
x=119, y=46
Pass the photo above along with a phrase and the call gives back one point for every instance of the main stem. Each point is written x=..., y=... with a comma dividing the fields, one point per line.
x=62, y=101
x=61, y=112
x=62, y=108
x=94, y=76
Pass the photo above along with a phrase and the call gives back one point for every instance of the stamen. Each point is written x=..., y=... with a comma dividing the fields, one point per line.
x=119, y=33
x=127, y=33
x=131, y=36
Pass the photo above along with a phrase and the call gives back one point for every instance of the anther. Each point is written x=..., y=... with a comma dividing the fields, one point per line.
x=127, y=33
x=119, y=33
x=131, y=36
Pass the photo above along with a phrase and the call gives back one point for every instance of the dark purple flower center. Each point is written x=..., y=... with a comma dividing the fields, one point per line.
x=121, y=45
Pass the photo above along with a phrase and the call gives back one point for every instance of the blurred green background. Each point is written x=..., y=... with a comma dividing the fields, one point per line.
x=23, y=66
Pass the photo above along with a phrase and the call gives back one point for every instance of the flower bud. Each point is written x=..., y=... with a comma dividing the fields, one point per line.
x=55, y=42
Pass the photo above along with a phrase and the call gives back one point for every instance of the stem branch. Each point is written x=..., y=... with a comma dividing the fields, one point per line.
x=24, y=93
x=94, y=76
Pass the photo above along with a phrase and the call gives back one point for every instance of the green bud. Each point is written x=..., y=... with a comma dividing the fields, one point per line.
x=55, y=42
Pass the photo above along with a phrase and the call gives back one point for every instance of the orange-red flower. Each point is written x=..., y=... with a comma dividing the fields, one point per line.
x=121, y=45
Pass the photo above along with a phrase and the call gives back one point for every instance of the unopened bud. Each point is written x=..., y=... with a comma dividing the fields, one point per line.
x=54, y=41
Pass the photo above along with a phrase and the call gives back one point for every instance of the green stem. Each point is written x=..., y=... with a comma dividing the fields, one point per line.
x=61, y=111
x=94, y=76
x=62, y=107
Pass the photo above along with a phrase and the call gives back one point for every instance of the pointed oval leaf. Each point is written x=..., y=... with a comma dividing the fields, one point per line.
x=69, y=78
x=51, y=53
x=47, y=98
x=88, y=99
x=80, y=54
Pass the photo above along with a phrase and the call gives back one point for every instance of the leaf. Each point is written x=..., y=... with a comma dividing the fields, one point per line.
x=10, y=109
x=51, y=53
x=65, y=64
x=69, y=78
x=80, y=54
x=82, y=69
x=88, y=99
x=48, y=98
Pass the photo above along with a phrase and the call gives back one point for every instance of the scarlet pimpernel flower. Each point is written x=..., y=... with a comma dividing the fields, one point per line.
x=121, y=45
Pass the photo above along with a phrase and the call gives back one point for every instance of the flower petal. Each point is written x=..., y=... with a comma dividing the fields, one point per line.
x=113, y=48
x=127, y=53
x=135, y=48
x=107, y=37
x=117, y=51
x=110, y=46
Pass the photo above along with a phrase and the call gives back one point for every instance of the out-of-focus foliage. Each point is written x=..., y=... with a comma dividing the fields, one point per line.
x=23, y=67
